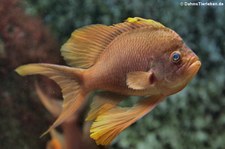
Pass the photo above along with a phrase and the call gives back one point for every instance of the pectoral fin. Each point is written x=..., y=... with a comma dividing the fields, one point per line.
x=111, y=123
x=140, y=80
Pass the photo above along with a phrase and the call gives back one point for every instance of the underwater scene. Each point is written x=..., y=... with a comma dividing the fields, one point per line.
x=112, y=74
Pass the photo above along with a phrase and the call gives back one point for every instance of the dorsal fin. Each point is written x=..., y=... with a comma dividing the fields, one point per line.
x=87, y=43
x=144, y=22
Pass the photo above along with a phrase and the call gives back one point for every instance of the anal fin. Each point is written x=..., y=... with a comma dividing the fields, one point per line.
x=111, y=123
x=103, y=102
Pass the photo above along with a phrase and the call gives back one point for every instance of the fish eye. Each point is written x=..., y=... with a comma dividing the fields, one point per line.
x=176, y=56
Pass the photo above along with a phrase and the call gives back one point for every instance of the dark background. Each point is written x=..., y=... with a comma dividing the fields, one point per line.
x=32, y=31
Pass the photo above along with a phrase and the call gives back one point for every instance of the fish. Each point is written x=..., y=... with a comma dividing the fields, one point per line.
x=57, y=140
x=138, y=57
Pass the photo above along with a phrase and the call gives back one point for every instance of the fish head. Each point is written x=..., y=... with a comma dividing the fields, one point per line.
x=175, y=67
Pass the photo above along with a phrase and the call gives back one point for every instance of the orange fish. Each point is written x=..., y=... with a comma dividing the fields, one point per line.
x=57, y=140
x=138, y=57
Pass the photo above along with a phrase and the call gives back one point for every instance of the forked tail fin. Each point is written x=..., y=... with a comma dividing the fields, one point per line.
x=69, y=80
x=53, y=105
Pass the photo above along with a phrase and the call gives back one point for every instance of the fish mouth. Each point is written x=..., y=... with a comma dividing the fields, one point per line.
x=194, y=66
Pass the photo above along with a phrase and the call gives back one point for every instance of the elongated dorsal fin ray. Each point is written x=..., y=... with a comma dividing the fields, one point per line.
x=87, y=43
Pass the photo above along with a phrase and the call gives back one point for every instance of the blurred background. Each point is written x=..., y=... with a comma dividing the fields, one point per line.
x=33, y=31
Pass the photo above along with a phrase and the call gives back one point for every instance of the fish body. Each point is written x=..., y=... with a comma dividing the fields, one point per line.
x=137, y=57
x=132, y=51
